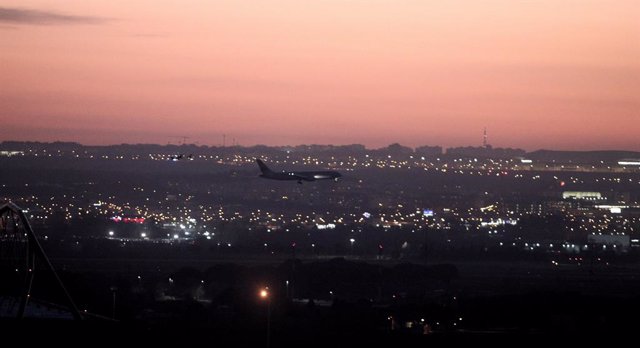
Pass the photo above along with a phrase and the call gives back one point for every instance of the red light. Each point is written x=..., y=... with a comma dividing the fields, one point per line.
x=136, y=220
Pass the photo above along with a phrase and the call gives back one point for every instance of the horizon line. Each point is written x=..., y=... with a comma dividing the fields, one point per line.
x=311, y=144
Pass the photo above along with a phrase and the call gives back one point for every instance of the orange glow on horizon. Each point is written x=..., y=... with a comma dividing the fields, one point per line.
x=537, y=74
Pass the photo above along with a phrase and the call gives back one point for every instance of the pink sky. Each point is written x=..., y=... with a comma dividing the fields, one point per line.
x=538, y=74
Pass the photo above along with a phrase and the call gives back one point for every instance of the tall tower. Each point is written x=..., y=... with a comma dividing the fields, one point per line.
x=485, y=142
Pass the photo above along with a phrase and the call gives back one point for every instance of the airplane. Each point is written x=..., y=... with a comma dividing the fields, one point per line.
x=299, y=176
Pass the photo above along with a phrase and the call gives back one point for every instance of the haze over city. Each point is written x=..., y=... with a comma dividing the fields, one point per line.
x=537, y=74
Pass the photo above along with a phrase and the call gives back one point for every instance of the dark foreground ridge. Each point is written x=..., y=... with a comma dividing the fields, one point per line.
x=341, y=303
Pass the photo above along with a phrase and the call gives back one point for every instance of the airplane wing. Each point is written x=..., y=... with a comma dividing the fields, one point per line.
x=305, y=177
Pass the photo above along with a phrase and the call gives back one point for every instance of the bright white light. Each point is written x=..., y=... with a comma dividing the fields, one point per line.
x=629, y=163
x=326, y=227
x=175, y=236
x=111, y=233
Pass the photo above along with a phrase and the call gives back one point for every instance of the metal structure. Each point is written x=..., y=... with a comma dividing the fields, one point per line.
x=485, y=139
x=21, y=255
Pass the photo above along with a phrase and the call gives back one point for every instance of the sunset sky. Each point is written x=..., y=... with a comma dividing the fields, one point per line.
x=559, y=74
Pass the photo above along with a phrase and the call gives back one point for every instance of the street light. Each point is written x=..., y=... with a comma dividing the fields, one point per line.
x=352, y=241
x=264, y=294
x=113, y=303
x=286, y=282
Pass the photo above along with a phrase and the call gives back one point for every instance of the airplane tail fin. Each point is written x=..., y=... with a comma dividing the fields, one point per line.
x=263, y=167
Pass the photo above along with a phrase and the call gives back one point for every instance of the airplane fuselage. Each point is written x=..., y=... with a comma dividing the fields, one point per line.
x=298, y=176
x=306, y=176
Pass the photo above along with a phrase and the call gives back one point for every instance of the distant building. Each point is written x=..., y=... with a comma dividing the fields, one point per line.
x=397, y=149
x=616, y=241
x=585, y=195
x=524, y=160
x=10, y=153
x=629, y=162
x=428, y=151
x=485, y=151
